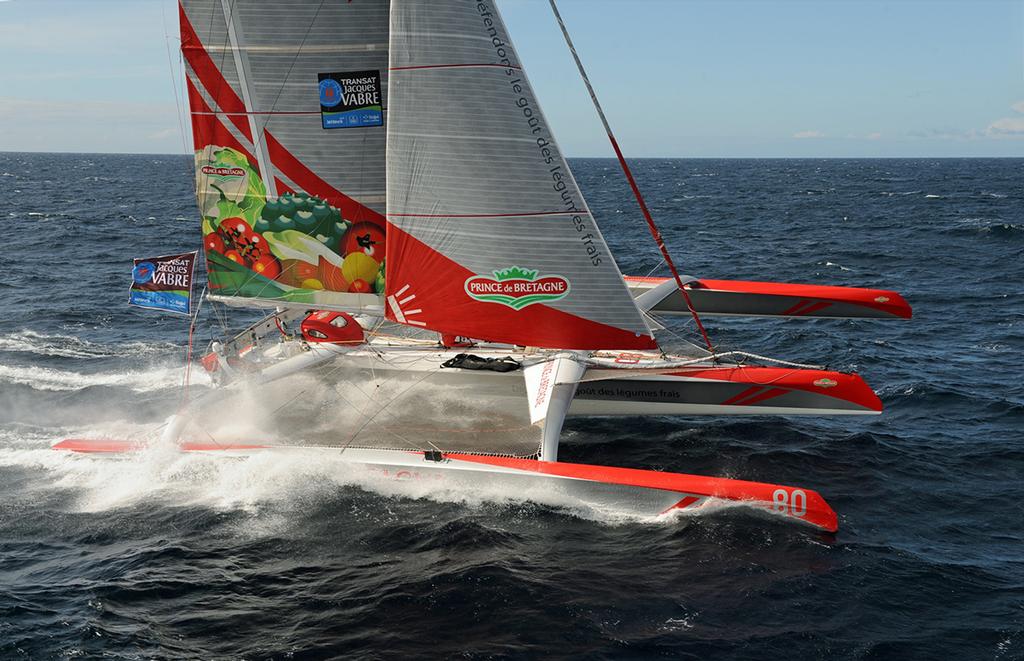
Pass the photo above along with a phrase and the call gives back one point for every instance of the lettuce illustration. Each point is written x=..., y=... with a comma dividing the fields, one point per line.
x=228, y=185
x=293, y=244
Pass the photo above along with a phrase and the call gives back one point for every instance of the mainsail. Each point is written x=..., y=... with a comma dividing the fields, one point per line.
x=488, y=233
x=288, y=101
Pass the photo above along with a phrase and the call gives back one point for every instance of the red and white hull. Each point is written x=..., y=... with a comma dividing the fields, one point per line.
x=618, y=490
x=727, y=390
x=773, y=299
x=637, y=386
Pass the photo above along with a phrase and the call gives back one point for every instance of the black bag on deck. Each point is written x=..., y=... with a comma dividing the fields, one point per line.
x=468, y=361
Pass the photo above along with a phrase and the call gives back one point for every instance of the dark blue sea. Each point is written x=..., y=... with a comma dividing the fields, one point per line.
x=197, y=557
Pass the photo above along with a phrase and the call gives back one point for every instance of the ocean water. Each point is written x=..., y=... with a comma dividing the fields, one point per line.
x=163, y=556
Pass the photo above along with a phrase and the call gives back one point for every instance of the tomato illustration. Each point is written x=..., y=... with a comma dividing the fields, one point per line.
x=267, y=266
x=235, y=227
x=359, y=286
x=213, y=243
x=365, y=237
x=235, y=256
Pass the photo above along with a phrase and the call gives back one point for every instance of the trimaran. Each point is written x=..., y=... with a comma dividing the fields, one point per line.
x=380, y=176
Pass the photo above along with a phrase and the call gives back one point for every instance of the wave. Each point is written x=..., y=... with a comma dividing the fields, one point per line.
x=841, y=267
x=986, y=226
x=930, y=397
x=45, y=378
x=901, y=193
x=69, y=346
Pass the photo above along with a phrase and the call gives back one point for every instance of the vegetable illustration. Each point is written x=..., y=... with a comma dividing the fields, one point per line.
x=365, y=237
x=307, y=214
x=228, y=185
x=359, y=266
x=297, y=240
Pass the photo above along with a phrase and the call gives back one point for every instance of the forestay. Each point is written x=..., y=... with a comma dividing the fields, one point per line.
x=288, y=102
x=488, y=233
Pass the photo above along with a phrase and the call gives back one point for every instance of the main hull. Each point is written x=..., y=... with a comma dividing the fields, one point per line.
x=727, y=390
x=639, y=385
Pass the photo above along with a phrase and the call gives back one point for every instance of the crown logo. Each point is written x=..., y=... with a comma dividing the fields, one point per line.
x=515, y=273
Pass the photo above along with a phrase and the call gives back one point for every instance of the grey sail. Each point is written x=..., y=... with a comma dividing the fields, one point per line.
x=487, y=229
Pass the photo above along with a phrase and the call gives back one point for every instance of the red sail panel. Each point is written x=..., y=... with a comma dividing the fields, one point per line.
x=430, y=291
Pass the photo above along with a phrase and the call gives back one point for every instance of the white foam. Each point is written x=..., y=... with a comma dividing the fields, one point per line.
x=69, y=346
x=841, y=267
x=146, y=380
x=268, y=484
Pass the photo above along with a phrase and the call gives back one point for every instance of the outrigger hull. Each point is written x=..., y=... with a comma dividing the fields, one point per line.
x=627, y=491
x=773, y=299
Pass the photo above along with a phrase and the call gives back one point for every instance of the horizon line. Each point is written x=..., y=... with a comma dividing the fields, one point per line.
x=609, y=158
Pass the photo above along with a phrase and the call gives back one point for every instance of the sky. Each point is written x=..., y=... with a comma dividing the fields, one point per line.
x=677, y=78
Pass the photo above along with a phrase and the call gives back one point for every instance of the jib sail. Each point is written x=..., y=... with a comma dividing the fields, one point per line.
x=288, y=104
x=488, y=233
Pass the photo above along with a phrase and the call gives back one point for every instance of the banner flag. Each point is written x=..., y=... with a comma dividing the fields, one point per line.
x=163, y=283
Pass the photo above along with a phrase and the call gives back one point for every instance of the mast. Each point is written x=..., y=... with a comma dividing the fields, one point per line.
x=655, y=233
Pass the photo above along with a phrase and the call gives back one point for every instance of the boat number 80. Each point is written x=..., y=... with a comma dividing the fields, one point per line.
x=793, y=503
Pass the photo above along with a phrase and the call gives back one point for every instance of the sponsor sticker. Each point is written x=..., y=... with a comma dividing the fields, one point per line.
x=826, y=383
x=220, y=171
x=517, y=287
x=350, y=99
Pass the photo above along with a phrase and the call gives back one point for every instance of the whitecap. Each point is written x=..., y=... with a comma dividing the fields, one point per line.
x=69, y=346
x=841, y=267
x=146, y=380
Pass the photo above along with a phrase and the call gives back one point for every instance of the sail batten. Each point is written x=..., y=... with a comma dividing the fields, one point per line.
x=486, y=225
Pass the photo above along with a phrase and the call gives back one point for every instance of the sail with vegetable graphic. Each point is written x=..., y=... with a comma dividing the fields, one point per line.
x=286, y=216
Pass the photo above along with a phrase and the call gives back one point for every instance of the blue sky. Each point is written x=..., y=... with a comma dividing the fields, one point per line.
x=684, y=78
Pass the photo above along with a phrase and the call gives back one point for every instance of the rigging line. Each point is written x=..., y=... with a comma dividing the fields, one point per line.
x=656, y=267
x=174, y=80
x=629, y=176
x=188, y=353
x=295, y=58
x=386, y=404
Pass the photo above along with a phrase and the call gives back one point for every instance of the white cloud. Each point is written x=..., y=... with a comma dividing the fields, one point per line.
x=115, y=112
x=808, y=134
x=88, y=126
x=946, y=133
x=1006, y=127
x=163, y=134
